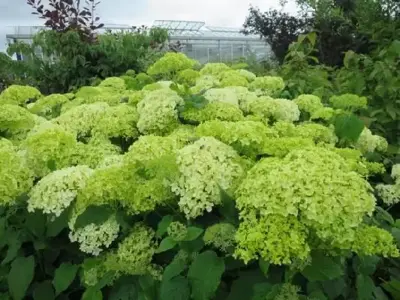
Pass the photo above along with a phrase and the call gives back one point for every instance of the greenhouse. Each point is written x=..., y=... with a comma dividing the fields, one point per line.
x=196, y=39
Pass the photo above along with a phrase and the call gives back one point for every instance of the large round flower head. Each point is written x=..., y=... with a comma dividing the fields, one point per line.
x=111, y=160
x=371, y=240
x=117, y=122
x=276, y=239
x=141, y=80
x=50, y=106
x=213, y=111
x=134, y=254
x=396, y=172
x=93, y=270
x=245, y=97
x=275, y=109
x=170, y=64
x=348, y=101
x=92, y=153
x=183, y=135
x=318, y=133
x=16, y=177
x=248, y=75
x=281, y=146
x=325, y=113
x=19, y=94
x=246, y=137
x=177, y=231
x=49, y=145
x=205, y=167
x=15, y=121
x=267, y=86
x=221, y=236
x=151, y=147
x=214, y=69
x=204, y=83
x=368, y=142
x=133, y=97
x=93, y=238
x=159, y=85
x=56, y=191
x=389, y=193
x=158, y=112
x=82, y=119
x=309, y=103
x=226, y=95
x=115, y=83
x=315, y=185
x=233, y=78
x=188, y=76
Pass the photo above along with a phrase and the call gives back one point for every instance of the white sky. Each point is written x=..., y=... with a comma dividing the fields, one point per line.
x=230, y=13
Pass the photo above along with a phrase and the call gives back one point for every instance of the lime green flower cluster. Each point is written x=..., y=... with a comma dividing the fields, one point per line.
x=368, y=142
x=267, y=86
x=233, y=78
x=134, y=254
x=114, y=83
x=214, y=69
x=214, y=111
x=56, y=191
x=275, y=109
x=188, y=77
x=49, y=106
x=326, y=114
x=177, y=231
x=287, y=291
x=204, y=83
x=15, y=122
x=280, y=147
x=309, y=103
x=246, y=137
x=49, y=144
x=158, y=112
x=19, y=95
x=93, y=238
x=297, y=186
x=205, y=167
x=247, y=74
x=170, y=64
x=221, y=236
x=348, y=101
x=226, y=95
x=16, y=178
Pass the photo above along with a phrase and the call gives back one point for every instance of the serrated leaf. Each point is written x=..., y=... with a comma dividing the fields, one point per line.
x=64, y=276
x=383, y=215
x=365, y=287
x=163, y=225
x=20, y=276
x=348, y=127
x=205, y=275
x=193, y=233
x=175, y=289
x=331, y=268
x=44, y=291
x=92, y=293
x=148, y=287
x=58, y=224
x=14, y=244
x=36, y=223
x=228, y=208
x=264, y=266
x=366, y=264
x=243, y=287
x=334, y=288
x=176, y=267
x=166, y=244
x=124, y=289
x=94, y=214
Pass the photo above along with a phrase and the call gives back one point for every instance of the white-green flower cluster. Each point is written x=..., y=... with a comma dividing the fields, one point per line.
x=267, y=86
x=93, y=238
x=275, y=109
x=368, y=142
x=221, y=236
x=56, y=191
x=205, y=167
x=222, y=95
x=390, y=193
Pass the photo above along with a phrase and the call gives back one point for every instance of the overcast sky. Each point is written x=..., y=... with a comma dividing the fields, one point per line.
x=230, y=13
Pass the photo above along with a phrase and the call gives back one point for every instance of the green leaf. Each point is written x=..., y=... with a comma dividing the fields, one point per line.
x=366, y=265
x=260, y=290
x=331, y=269
x=148, y=287
x=334, y=288
x=94, y=214
x=264, y=266
x=36, y=223
x=166, y=244
x=348, y=127
x=92, y=293
x=193, y=233
x=228, y=208
x=393, y=287
x=365, y=287
x=383, y=215
x=243, y=287
x=44, y=291
x=56, y=226
x=175, y=289
x=176, y=267
x=318, y=295
x=64, y=276
x=14, y=244
x=205, y=275
x=163, y=225
x=20, y=276
x=380, y=294
x=124, y=289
